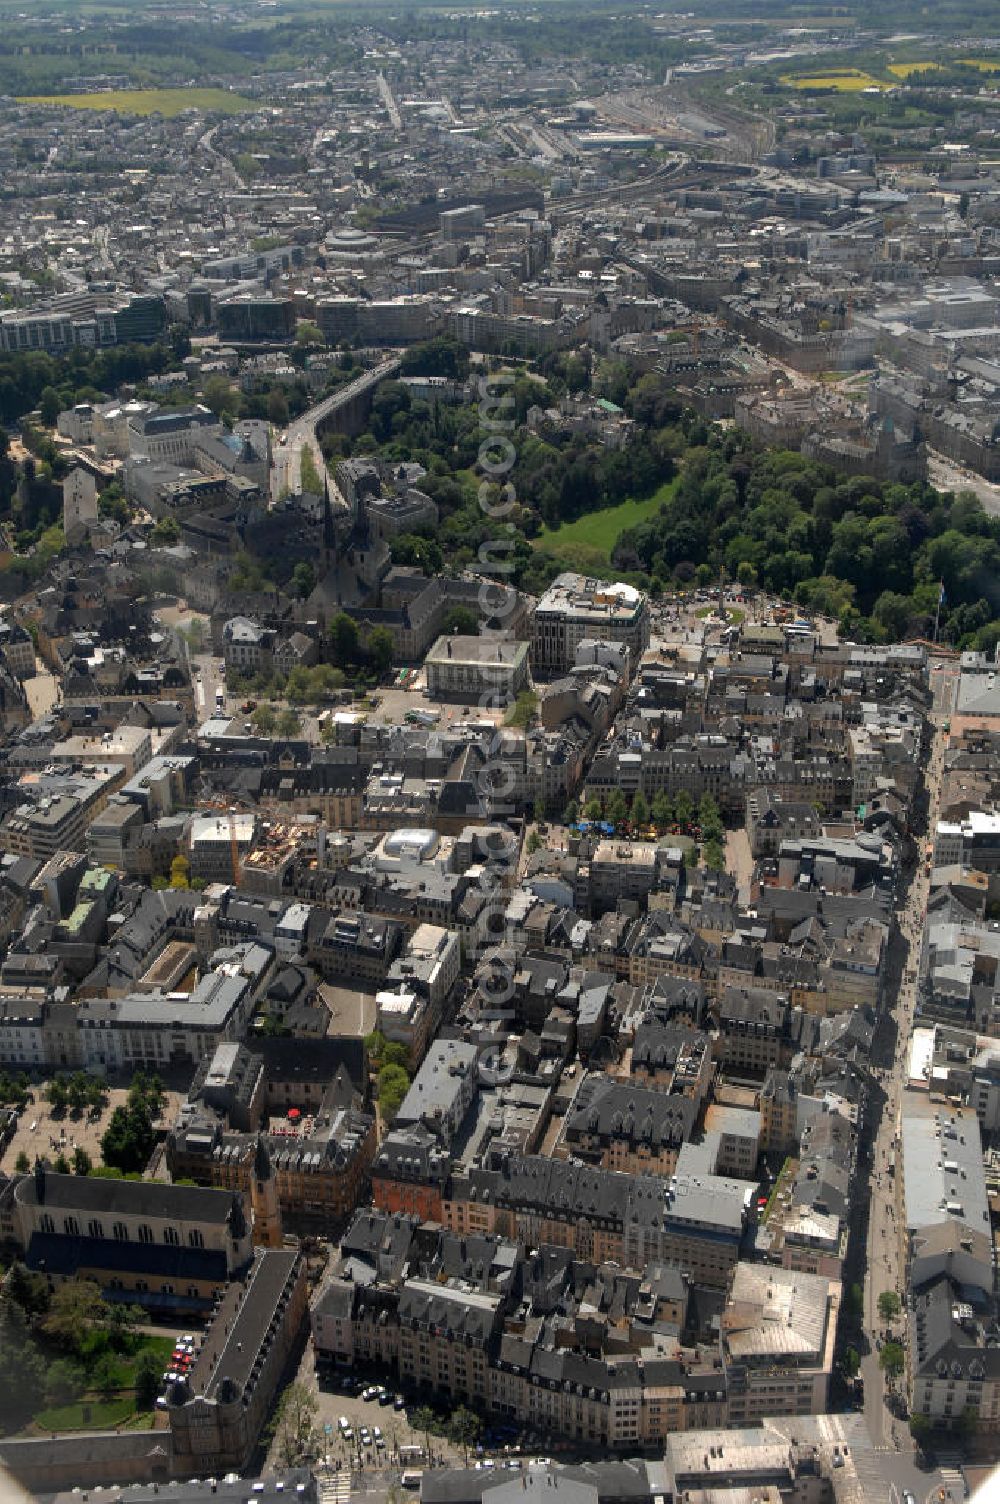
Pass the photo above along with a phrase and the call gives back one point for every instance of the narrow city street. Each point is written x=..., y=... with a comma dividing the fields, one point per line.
x=886, y=1253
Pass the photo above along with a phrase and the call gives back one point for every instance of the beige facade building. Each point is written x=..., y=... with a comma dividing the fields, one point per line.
x=477, y=668
x=778, y=1335
x=575, y=608
x=171, y=1247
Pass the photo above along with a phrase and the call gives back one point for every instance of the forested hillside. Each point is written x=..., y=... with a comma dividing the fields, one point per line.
x=872, y=553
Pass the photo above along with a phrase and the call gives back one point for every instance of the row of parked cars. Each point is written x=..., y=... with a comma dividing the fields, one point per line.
x=182, y=1360
x=368, y=1438
x=371, y=1392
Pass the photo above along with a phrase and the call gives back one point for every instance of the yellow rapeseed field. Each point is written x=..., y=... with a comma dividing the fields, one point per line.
x=167, y=102
x=844, y=80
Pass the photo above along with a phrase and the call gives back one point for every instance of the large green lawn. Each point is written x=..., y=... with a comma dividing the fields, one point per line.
x=96, y=1414
x=94, y=1411
x=590, y=539
x=167, y=102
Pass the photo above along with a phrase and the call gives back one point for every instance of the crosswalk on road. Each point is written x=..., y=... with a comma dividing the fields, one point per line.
x=335, y=1487
x=952, y=1479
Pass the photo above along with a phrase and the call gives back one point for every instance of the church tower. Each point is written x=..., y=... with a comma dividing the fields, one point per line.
x=79, y=505
x=264, y=1200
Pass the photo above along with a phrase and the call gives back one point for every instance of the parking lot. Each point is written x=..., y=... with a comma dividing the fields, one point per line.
x=342, y=1394
x=187, y=1346
x=335, y=1400
x=393, y=705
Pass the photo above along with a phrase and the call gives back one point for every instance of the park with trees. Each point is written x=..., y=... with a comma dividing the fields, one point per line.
x=69, y=1360
x=872, y=554
x=884, y=559
x=130, y=1136
x=390, y=1063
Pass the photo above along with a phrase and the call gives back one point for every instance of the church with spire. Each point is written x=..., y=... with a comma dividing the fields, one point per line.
x=267, y=1230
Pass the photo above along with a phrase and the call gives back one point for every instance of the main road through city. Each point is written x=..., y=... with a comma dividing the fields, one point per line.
x=286, y=461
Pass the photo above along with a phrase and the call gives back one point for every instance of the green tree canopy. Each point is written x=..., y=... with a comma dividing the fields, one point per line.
x=662, y=808
x=683, y=808
x=22, y=1369
x=303, y=579
x=29, y=1291
x=393, y=1084
x=128, y=1140
x=76, y=1309
x=379, y=649
x=715, y=856
x=219, y=394
x=464, y=1429
x=49, y=406
x=147, y=1379
x=424, y=1421
x=277, y=407
x=617, y=807
x=888, y=1305
x=459, y=620
x=344, y=639
x=298, y=1438
x=264, y=719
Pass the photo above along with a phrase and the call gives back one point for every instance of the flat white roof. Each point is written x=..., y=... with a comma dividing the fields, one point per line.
x=921, y=1059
